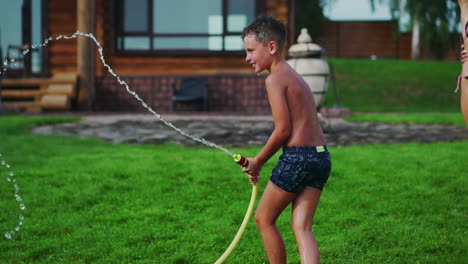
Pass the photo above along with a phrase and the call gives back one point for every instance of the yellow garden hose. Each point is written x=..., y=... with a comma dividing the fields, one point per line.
x=243, y=162
x=241, y=228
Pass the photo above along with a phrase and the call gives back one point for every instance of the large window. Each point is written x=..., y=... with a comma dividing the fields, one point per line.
x=22, y=24
x=182, y=26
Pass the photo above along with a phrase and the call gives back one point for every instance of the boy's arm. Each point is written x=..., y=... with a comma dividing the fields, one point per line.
x=279, y=108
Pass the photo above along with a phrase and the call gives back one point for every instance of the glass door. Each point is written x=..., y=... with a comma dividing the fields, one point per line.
x=21, y=25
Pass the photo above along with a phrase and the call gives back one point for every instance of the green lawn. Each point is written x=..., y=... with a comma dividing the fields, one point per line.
x=410, y=118
x=396, y=85
x=92, y=202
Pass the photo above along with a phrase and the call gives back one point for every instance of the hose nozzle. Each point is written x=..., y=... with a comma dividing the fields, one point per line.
x=240, y=160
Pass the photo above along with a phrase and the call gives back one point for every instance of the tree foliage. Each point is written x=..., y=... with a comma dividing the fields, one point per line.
x=309, y=14
x=438, y=19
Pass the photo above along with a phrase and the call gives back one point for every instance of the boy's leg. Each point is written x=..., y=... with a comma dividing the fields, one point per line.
x=274, y=201
x=303, y=211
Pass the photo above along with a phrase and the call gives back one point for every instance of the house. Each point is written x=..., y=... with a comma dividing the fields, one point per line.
x=151, y=44
x=371, y=38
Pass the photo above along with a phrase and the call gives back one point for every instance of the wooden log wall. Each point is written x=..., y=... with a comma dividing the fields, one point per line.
x=362, y=39
x=62, y=20
x=359, y=39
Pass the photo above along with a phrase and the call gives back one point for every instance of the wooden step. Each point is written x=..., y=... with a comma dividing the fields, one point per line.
x=65, y=77
x=27, y=106
x=31, y=82
x=12, y=94
x=64, y=89
x=19, y=104
x=30, y=94
x=56, y=102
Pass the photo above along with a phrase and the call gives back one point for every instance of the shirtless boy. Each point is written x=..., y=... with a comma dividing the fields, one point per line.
x=305, y=164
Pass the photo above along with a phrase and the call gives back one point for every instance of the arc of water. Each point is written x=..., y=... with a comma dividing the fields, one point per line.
x=253, y=198
x=11, y=178
x=127, y=87
x=241, y=230
x=134, y=94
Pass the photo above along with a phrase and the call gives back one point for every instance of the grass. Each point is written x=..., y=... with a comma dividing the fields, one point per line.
x=396, y=85
x=410, y=118
x=92, y=202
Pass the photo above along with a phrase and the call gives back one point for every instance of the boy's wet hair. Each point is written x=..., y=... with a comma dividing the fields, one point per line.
x=266, y=29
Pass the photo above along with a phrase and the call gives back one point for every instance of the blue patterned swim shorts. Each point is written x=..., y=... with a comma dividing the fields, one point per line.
x=301, y=166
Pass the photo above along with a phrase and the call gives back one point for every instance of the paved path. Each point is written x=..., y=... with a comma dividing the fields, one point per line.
x=242, y=131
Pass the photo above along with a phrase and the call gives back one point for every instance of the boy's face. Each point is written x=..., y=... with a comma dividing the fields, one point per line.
x=257, y=54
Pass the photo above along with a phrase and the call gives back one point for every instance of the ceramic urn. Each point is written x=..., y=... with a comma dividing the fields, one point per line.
x=306, y=59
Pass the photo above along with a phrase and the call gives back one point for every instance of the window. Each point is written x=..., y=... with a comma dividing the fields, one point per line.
x=22, y=23
x=182, y=26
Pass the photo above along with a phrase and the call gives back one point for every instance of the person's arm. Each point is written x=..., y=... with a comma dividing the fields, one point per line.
x=279, y=108
x=463, y=54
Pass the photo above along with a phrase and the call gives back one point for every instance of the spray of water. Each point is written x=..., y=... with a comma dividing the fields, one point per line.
x=11, y=178
x=4, y=166
x=122, y=82
x=134, y=94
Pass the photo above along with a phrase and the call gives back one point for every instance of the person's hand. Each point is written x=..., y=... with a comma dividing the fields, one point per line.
x=252, y=169
x=463, y=54
x=253, y=178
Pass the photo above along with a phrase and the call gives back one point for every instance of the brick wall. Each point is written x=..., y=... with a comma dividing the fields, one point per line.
x=227, y=93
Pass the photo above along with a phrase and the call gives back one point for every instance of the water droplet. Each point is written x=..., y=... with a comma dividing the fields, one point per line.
x=33, y=46
x=8, y=235
x=21, y=217
x=5, y=63
x=8, y=166
x=12, y=59
x=18, y=198
x=17, y=228
x=12, y=174
x=25, y=52
x=8, y=179
x=22, y=206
